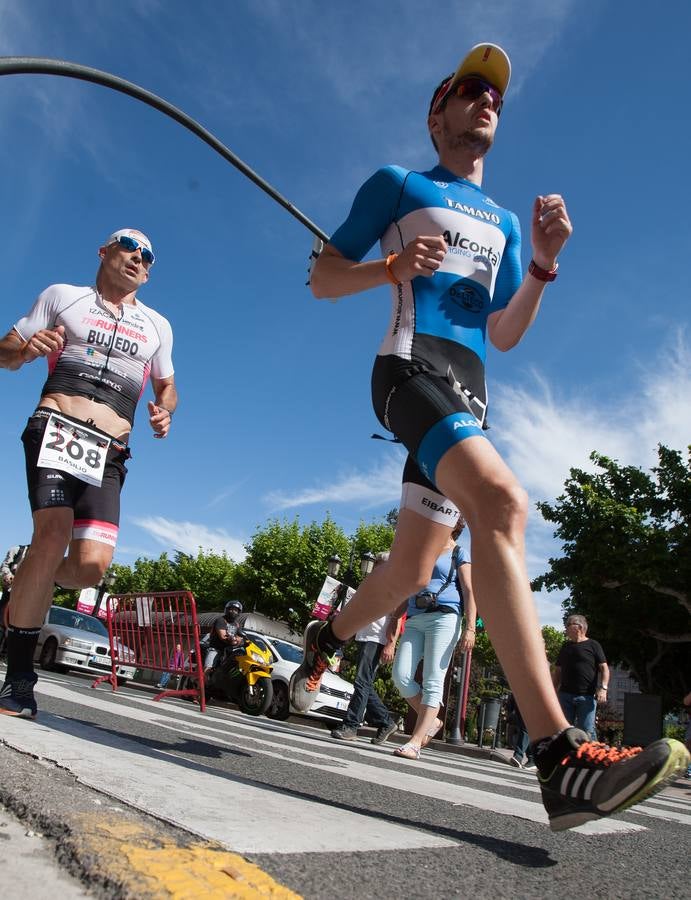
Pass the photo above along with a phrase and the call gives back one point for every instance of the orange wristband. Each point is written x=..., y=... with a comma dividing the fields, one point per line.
x=392, y=257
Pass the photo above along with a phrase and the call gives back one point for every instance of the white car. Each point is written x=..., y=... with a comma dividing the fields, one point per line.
x=73, y=640
x=334, y=694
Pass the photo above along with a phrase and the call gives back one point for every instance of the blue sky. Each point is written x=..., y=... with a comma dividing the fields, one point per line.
x=275, y=416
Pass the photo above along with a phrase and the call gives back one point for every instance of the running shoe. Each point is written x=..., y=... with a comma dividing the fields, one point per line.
x=583, y=780
x=306, y=679
x=515, y=761
x=17, y=696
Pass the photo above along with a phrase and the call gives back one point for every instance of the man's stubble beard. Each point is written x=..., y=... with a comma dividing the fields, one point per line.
x=478, y=143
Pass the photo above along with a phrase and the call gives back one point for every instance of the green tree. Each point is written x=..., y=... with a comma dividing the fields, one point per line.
x=553, y=638
x=209, y=576
x=286, y=564
x=626, y=544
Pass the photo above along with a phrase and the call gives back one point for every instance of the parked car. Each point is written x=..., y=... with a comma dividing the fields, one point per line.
x=334, y=694
x=73, y=640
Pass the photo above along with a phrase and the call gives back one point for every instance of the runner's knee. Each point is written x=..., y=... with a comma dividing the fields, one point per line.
x=84, y=570
x=501, y=506
x=406, y=576
x=50, y=538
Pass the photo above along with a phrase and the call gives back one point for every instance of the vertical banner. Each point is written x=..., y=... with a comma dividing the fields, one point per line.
x=327, y=599
x=87, y=600
x=143, y=607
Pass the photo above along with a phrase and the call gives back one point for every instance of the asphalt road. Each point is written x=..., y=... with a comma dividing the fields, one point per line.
x=144, y=799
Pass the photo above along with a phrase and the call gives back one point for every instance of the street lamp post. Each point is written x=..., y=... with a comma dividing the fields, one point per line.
x=334, y=566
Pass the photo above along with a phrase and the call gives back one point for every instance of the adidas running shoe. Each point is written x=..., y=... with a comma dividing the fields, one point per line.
x=17, y=696
x=583, y=780
x=306, y=679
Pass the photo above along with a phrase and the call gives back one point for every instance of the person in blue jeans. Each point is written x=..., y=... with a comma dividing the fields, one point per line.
x=375, y=645
x=432, y=630
x=581, y=676
x=522, y=752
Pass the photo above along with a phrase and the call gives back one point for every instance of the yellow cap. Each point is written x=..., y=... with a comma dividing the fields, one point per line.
x=488, y=61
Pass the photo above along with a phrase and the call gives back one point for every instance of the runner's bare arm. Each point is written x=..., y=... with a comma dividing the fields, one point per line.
x=14, y=351
x=162, y=408
x=550, y=229
x=335, y=276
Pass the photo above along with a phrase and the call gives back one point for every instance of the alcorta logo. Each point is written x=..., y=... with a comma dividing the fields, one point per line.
x=465, y=243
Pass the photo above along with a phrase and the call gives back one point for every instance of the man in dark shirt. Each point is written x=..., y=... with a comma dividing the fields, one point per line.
x=581, y=676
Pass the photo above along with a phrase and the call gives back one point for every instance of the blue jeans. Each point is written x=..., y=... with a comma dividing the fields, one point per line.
x=579, y=710
x=366, y=704
x=522, y=743
x=431, y=637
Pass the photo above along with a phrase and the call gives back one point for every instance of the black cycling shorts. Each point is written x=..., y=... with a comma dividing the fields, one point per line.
x=427, y=412
x=96, y=509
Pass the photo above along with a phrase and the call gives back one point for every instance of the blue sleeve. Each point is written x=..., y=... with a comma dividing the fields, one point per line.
x=463, y=556
x=510, y=272
x=373, y=210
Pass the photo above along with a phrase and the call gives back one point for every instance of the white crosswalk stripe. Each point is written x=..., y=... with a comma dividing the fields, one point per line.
x=150, y=778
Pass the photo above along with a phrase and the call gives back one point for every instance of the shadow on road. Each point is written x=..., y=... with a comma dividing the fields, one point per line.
x=518, y=853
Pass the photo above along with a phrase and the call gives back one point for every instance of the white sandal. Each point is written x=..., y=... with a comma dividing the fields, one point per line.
x=408, y=751
x=434, y=730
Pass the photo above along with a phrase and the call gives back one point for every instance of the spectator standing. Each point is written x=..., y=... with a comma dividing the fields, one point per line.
x=8, y=569
x=176, y=661
x=375, y=644
x=433, y=627
x=522, y=752
x=581, y=676
x=687, y=706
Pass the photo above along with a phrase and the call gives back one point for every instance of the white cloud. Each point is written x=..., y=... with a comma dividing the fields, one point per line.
x=190, y=536
x=551, y=434
x=344, y=57
x=379, y=485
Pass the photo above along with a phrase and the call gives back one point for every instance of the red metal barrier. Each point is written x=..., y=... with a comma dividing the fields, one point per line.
x=145, y=630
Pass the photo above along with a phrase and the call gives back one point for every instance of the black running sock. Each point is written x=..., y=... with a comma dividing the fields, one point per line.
x=327, y=641
x=548, y=752
x=21, y=646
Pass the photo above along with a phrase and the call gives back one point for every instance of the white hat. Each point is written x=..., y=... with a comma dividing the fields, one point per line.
x=132, y=233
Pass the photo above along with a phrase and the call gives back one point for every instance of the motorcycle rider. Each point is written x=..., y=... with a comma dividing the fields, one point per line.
x=225, y=630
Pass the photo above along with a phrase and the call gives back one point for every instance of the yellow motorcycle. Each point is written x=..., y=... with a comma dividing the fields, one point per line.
x=242, y=675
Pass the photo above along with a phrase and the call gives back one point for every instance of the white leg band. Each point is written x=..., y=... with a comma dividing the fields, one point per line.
x=429, y=503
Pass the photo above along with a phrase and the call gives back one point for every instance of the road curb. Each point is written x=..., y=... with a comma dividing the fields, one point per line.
x=113, y=850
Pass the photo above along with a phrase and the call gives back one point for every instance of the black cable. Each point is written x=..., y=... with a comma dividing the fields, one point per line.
x=35, y=65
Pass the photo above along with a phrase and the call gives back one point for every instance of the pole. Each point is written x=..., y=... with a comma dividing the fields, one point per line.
x=456, y=732
x=36, y=65
x=466, y=685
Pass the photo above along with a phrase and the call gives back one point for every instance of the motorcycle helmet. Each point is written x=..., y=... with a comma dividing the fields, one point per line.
x=232, y=610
